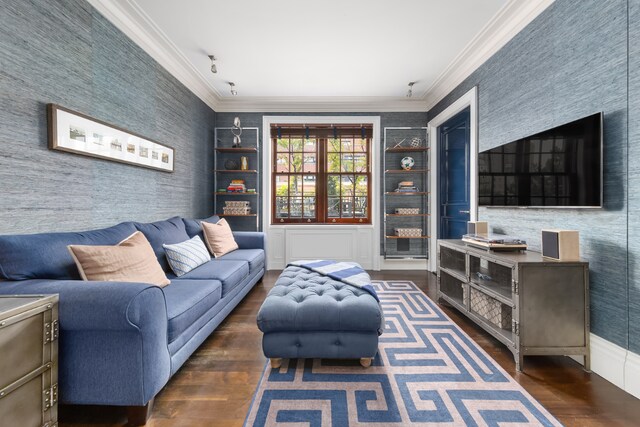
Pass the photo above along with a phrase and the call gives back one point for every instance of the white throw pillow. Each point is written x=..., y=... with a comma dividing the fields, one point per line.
x=184, y=257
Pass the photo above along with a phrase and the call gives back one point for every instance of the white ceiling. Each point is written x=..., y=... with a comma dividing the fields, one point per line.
x=312, y=56
x=329, y=48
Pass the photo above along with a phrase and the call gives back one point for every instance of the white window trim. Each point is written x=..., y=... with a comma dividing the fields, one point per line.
x=374, y=121
x=469, y=99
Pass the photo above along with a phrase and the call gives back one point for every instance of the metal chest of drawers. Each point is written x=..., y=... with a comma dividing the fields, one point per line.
x=29, y=360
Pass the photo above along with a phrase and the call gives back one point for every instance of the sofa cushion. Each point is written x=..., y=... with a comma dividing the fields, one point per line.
x=229, y=272
x=168, y=232
x=194, y=227
x=187, y=301
x=45, y=256
x=131, y=260
x=255, y=257
x=184, y=257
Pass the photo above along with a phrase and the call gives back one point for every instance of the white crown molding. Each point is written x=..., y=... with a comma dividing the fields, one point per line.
x=321, y=104
x=509, y=21
x=129, y=18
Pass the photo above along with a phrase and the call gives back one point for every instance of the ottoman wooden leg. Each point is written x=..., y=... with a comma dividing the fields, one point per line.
x=366, y=361
x=276, y=363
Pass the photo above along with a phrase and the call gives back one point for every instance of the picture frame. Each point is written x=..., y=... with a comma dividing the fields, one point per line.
x=73, y=132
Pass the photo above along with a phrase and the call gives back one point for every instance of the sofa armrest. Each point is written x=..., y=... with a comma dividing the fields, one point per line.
x=89, y=305
x=113, y=339
x=250, y=239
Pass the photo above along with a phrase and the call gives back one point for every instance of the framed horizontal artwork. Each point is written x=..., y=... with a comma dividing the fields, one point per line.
x=77, y=133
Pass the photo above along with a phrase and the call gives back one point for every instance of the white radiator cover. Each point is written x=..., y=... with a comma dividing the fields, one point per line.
x=340, y=243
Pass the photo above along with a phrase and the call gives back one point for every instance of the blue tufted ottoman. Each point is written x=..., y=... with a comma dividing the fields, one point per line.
x=308, y=315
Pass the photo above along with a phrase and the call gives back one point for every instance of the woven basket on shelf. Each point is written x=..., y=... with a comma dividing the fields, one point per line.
x=407, y=211
x=236, y=210
x=236, y=204
x=409, y=232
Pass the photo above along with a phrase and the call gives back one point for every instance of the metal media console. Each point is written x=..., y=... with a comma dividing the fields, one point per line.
x=533, y=305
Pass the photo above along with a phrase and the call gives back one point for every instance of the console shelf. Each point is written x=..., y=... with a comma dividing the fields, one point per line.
x=533, y=305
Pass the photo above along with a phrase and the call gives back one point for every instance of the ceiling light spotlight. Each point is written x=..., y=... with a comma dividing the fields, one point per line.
x=214, y=69
x=410, y=91
x=234, y=92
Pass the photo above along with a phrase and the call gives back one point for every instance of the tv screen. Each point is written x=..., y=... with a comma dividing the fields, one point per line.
x=560, y=167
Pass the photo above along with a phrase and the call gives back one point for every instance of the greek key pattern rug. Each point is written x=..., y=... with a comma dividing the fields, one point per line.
x=427, y=372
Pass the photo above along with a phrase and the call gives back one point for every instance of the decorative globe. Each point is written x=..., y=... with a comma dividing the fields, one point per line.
x=407, y=163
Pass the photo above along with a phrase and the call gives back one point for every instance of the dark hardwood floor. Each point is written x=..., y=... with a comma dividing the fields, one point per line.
x=215, y=386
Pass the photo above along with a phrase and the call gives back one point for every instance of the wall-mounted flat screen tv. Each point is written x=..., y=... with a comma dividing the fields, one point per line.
x=560, y=167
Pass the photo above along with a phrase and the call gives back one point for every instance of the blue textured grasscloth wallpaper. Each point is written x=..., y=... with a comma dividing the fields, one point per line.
x=576, y=58
x=66, y=53
x=387, y=119
x=634, y=176
x=570, y=62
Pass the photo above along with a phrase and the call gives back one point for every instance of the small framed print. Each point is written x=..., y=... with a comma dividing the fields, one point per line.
x=77, y=133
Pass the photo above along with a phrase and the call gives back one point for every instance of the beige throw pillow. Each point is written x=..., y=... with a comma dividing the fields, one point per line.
x=131, y=260
x=219, y=238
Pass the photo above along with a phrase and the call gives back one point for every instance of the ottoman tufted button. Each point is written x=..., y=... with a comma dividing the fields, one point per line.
x=337, y=342
x=298, y=344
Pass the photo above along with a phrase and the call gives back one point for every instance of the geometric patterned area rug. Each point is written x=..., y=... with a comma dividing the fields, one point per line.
x=428, y=372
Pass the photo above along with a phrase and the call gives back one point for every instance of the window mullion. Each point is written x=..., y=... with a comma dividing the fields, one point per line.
x=321, y=179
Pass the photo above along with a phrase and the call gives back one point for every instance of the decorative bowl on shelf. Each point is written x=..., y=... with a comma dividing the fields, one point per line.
x=407, y=163
x=231, y=165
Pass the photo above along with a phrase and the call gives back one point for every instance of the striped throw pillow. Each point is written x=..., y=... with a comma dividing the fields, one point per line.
x=184, y=257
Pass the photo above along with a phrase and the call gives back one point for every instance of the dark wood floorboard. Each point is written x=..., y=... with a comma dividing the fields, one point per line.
x=215, y=386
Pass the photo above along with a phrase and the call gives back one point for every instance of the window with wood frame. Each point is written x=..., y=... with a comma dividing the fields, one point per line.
x=321, y=174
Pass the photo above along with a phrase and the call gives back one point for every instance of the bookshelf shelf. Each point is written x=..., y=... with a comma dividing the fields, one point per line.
x=417, y=178
x=252, y=177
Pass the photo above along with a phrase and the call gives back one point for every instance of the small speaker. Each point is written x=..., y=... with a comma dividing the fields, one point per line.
x=561, y=245
x=477, y=227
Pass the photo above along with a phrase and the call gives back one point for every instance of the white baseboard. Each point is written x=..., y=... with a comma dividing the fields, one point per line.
x=385, y=264
x=632, y=374
x=616, y=365
x=403, y=264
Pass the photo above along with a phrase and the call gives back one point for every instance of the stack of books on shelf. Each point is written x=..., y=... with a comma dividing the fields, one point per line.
x=237, y=186
x=406, y=187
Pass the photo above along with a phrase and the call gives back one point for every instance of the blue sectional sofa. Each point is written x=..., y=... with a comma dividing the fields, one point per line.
x=121, y=342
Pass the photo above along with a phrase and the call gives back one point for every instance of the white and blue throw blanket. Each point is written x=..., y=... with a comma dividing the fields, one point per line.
x=346, y=272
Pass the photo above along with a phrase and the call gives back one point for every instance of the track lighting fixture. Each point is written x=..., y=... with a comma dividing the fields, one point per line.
x=232, y=85
x=410, y=91
x=214, y=69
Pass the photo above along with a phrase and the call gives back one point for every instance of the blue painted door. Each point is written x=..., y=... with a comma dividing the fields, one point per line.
x=454, y=142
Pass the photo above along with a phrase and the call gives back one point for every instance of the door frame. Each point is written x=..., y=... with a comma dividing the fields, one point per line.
x=470, y=100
